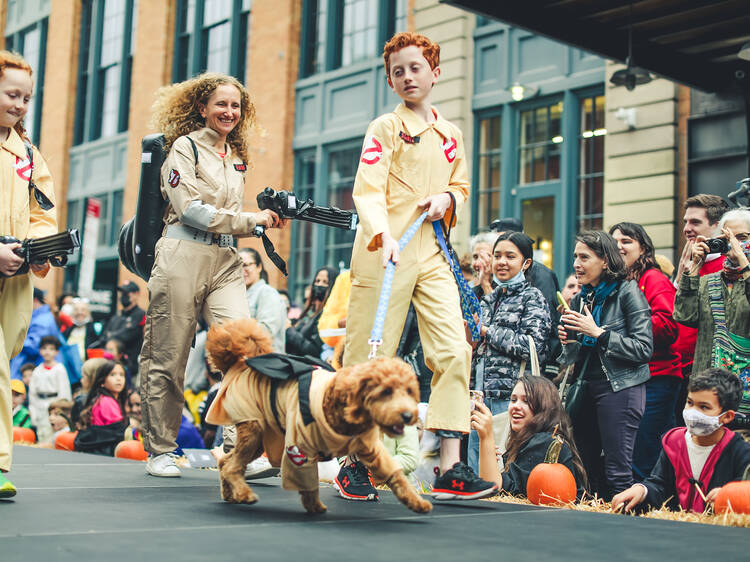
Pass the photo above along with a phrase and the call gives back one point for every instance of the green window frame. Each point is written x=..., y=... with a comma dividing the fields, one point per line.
x=211, y=36
x=591, y=138
x=488, y=202
x=340, y=33
x=105, y=60
x=301, y=256
x=540, y=143
x=31, y=42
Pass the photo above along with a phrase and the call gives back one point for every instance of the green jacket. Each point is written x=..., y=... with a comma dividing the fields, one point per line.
x=691, y=308
x=21, y=417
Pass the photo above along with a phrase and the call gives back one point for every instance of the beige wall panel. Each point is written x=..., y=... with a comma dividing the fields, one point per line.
x=649, y=115
x=657, y=90
x=641, y=140
x=645, y=212
x=638, y=165
x=639, y=189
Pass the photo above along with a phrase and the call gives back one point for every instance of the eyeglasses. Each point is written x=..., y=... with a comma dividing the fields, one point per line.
x=249, y=264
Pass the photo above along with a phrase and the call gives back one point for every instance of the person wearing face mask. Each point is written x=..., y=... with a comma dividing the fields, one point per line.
x=303, y=337
x=126, y=326
x=83, y=330
x=697, y=460
x=512, y=314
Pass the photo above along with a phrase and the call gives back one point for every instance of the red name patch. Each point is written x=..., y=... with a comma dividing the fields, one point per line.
x=372, y=151
x=407, y=139
x=297, y=457
x=450, y=147
x=241, y=167
x=23, y=169
x=174, y=178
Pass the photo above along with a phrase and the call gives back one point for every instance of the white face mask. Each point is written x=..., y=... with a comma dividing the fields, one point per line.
x=67, y=309
x=699, y=424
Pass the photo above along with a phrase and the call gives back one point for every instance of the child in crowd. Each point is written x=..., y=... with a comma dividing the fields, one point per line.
x=698, y=459
x=21, y=416
x=105, y=403
x=59, y=417
x=88, y=372
x=116, y=349
x=26, y=370
x=536, y=416
x=49, y=382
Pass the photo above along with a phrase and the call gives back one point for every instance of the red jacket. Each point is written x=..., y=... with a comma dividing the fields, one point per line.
x=660, y=293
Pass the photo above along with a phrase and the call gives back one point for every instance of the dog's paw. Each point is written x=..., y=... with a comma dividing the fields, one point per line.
x=419, y=505
x=311, y=502
x=246, y=496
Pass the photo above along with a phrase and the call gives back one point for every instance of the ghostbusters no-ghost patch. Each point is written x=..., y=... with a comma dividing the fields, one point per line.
x=23, y=168
x=174, y=178
x=450, y=148
x=297, y=457
x=372, y=150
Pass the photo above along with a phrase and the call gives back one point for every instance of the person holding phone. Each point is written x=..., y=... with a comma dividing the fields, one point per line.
x=607, y=337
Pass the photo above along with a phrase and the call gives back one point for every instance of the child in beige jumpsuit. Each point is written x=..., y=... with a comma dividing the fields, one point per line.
x=196, y=269
x=22, y=215
x=412, y=159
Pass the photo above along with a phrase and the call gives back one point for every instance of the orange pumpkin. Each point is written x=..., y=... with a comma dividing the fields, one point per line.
x=131, y=450
x=66, y=441
x=23, y=435
x=734, y=496
x=551, y=482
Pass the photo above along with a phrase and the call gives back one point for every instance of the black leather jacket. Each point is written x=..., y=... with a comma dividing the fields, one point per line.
x=627, y=317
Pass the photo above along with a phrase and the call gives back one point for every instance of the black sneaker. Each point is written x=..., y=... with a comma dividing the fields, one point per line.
x=460, y=483
x=353, y=483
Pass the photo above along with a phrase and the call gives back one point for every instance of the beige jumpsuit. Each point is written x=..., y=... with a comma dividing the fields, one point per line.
x=20, y=217
x=405, y=160
x=189, y=277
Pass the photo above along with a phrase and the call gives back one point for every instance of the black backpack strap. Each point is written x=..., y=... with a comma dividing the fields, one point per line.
x=304, y=398
x=40, y=197
x=195, y=149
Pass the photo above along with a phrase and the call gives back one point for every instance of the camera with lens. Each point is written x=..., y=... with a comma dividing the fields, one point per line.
x=717, y=245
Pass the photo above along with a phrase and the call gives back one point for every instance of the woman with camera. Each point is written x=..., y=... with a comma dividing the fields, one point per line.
x=607, y=336
x=718, y=303
x=206, y=122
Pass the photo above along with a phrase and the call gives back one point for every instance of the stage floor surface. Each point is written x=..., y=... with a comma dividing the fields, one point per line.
x=78, y=507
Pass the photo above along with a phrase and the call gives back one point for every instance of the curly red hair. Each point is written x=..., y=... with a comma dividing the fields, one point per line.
x=430, y=50
x=9, y=59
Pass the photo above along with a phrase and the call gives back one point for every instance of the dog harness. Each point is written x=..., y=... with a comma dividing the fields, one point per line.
x=281, y=367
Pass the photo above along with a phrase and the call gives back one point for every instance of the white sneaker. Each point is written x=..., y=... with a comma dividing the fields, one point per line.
x=162, y=465
x=260, y=468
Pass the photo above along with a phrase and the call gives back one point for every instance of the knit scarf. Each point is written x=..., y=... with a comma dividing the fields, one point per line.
x=599, y=294
x=732, y=269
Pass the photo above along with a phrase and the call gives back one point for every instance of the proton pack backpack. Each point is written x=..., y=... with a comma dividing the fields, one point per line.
x=139, y=235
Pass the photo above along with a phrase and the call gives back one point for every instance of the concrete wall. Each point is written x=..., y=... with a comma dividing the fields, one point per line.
x=640, y=167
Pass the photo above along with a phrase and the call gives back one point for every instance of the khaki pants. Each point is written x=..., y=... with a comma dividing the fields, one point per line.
x=15, y=315
x=424, y=278
x=188, y=279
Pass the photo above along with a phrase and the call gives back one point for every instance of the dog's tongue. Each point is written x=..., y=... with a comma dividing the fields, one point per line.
x=398, y=429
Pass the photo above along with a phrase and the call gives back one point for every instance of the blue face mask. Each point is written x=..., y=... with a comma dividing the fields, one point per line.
x=517, y=279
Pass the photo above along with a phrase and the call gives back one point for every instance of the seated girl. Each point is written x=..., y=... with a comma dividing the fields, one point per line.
x=103, y=423
x=536, y=413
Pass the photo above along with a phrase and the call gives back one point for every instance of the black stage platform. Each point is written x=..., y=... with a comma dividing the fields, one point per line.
x=73, y=506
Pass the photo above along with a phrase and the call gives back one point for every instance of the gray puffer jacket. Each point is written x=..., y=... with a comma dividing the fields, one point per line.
x=512, y=316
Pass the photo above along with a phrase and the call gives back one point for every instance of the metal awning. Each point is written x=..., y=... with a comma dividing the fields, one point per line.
x=691, y=42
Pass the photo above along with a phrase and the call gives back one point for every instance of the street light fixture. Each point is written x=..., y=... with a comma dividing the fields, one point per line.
x=520, y=92
x=631, y=76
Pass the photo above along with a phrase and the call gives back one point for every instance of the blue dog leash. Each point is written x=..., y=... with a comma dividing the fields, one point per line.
x=469, y=303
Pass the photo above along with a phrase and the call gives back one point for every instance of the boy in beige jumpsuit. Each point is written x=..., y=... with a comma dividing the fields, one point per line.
x=21, y=216
x=411, y=160
x=196, y=268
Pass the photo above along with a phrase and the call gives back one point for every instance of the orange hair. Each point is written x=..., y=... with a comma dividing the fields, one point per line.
x=430, y=50
x=14, y=60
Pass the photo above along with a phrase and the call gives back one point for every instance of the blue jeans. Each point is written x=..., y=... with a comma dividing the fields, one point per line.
x=658, y=418
x=496, y=406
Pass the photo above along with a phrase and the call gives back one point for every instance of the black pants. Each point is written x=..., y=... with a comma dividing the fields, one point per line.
x=609, y=422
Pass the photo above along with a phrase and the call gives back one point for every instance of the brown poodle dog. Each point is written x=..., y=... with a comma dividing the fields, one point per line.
x=298, y=422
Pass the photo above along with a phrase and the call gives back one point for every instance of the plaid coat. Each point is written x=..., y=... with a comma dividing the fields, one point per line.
x=512, y=316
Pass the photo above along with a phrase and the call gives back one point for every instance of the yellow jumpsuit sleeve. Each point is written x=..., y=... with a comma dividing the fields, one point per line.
x=182, y=189
x=371, y=180
x=336, y=307
x=41, y=222
x=458, y=184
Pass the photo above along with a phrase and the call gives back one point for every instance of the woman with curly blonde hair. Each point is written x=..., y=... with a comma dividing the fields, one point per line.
x=197, y=271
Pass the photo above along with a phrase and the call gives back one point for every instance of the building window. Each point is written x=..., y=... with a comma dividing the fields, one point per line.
x=301, y=259
x=110, y=217
x=32, y=44
x=107, y=46
x=488, y=202
x=338, y=33
x=541, y=142
x=211, y=36
x=591, y=171
x=342, y=168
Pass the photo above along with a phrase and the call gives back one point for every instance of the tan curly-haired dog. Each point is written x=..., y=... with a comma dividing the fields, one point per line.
x=348, y=410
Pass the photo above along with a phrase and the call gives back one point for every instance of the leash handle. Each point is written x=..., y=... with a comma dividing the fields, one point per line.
x=376, y=334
